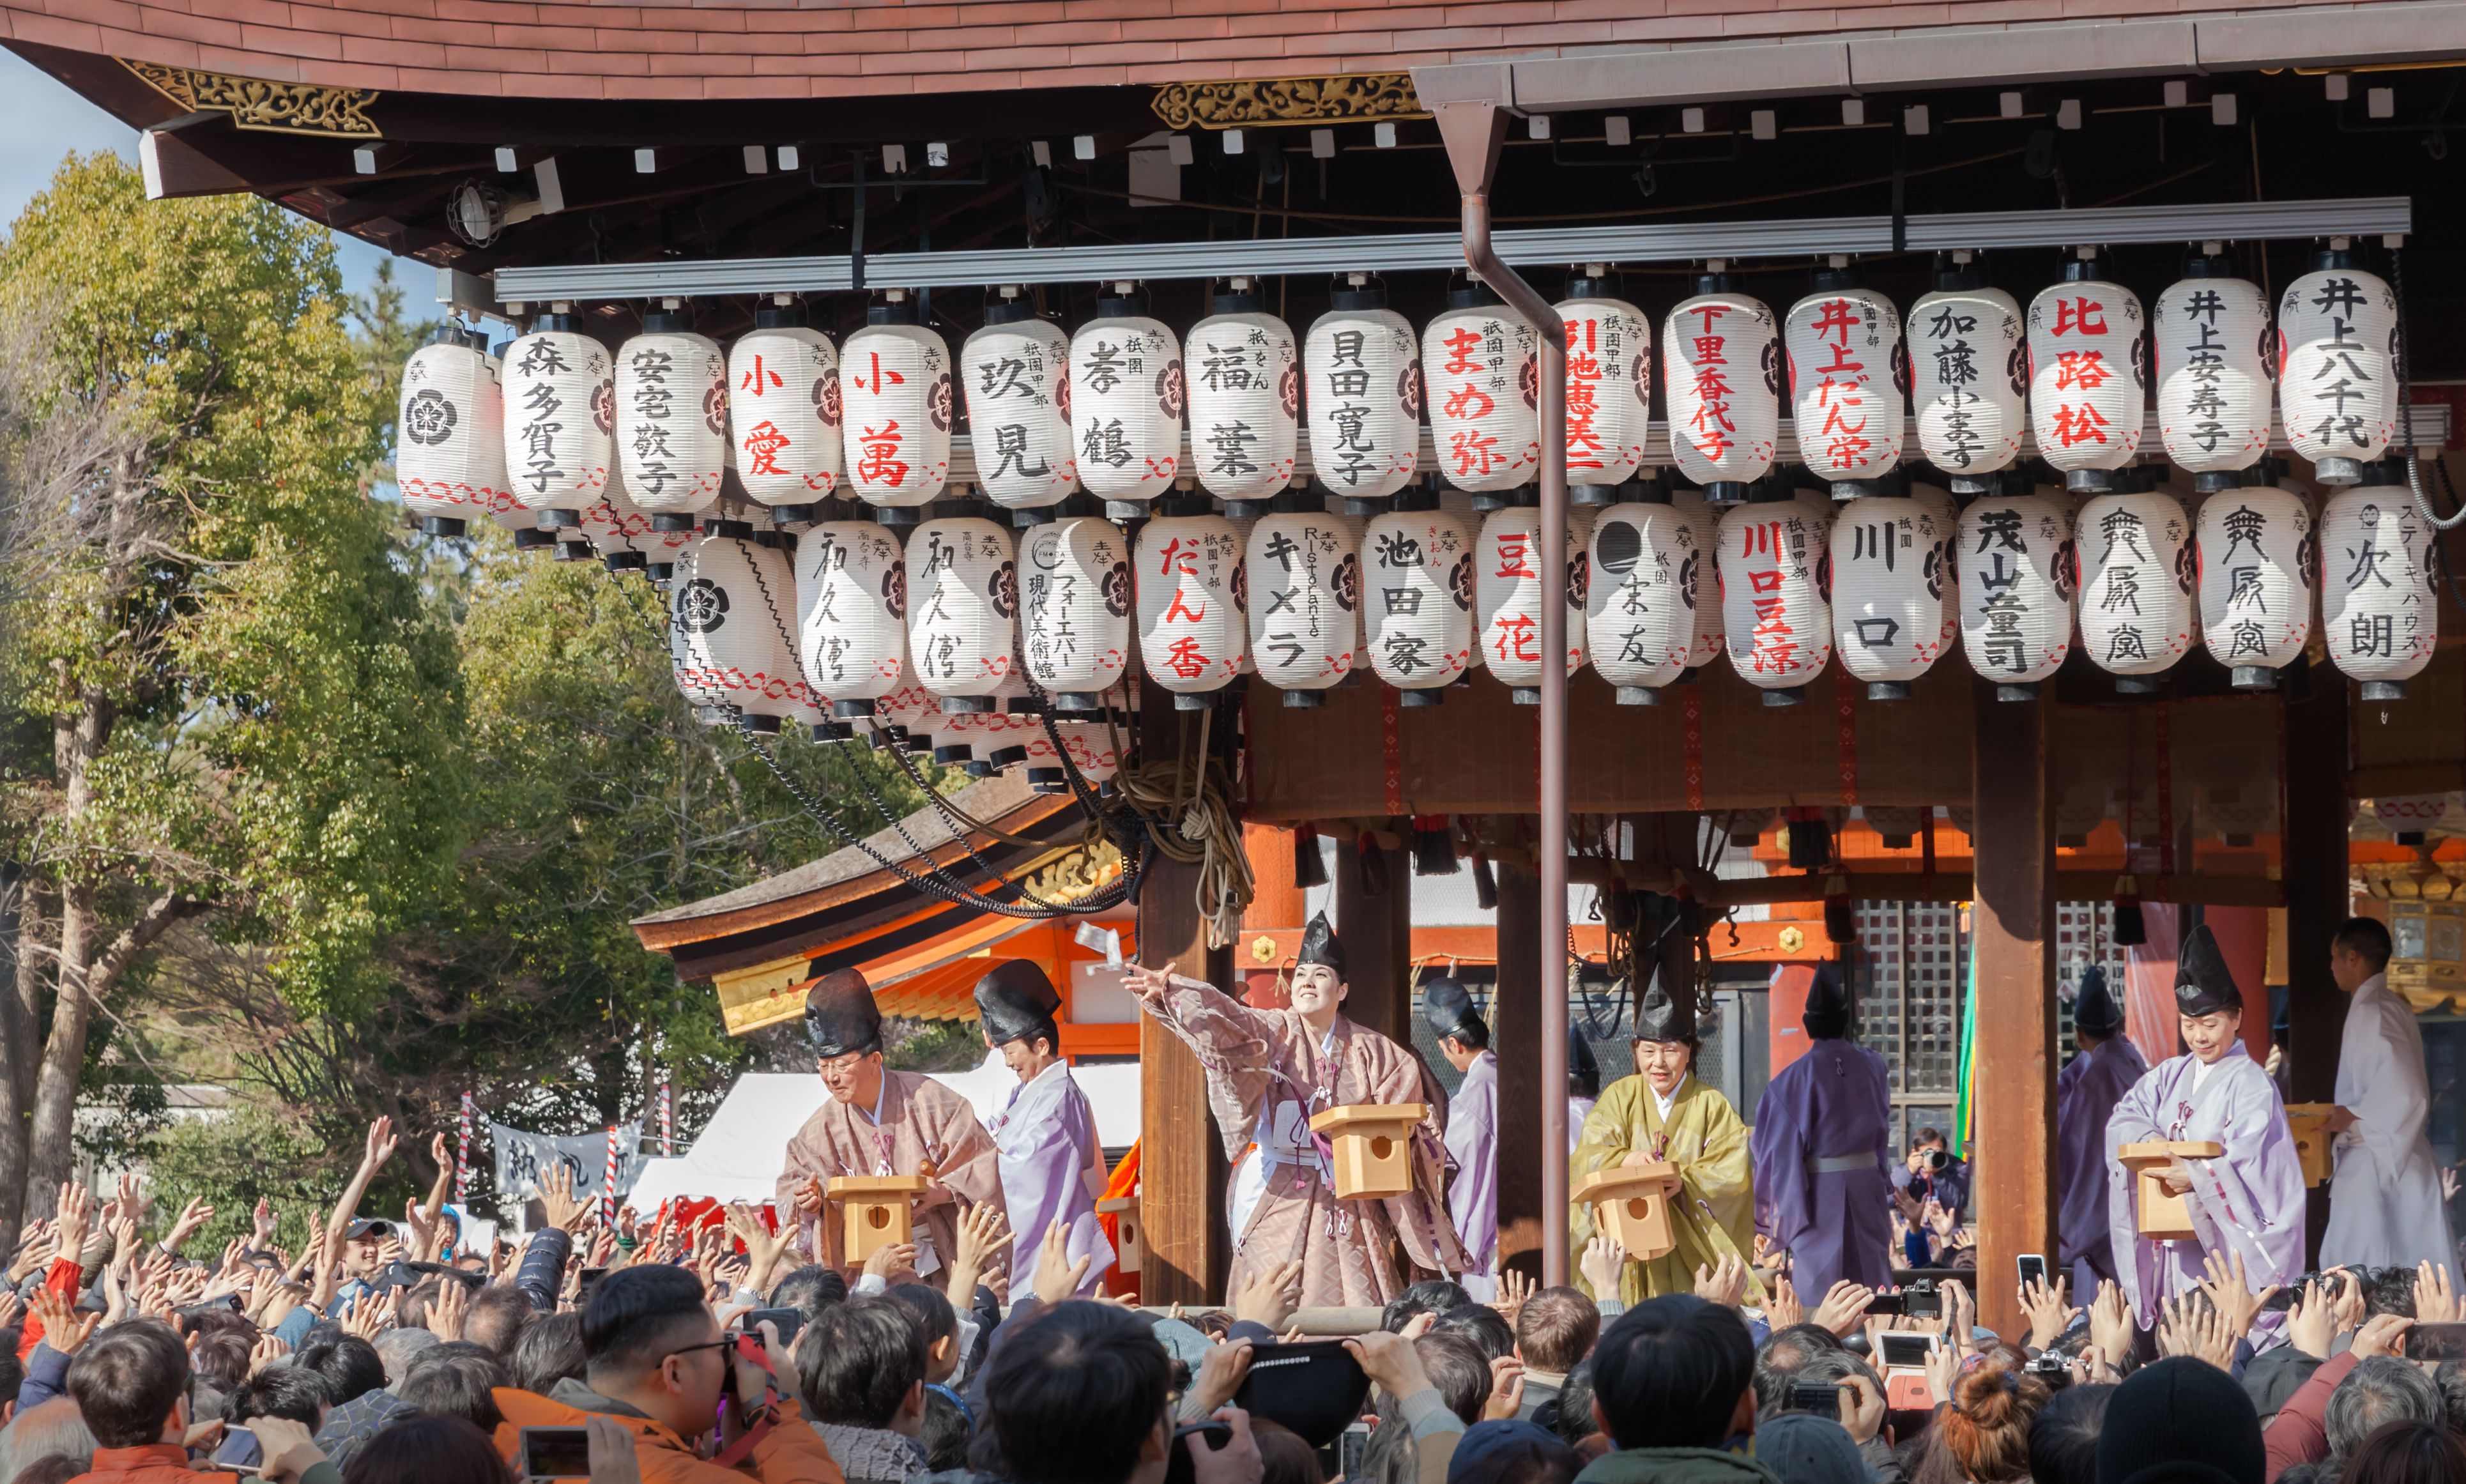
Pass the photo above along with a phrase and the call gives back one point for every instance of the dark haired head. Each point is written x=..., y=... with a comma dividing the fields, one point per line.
x=861, y=1362
x=498, y=1315
x=639, y=1316
x=351, y=1366
x=457, y=1379
x=128, y=1379
x=2408, y=1452
x=220, y=1359
x=284, y=1391
x=932, y=1309
x=1431, y=1295
x=1576, y=1406
x=945, y=1430
x=2063, y=1437
x=1284, y=1458
x=809, y=1290
x=1483, y=1325
x=53, y=1469
x=2366, y=938
x=1075, y=1394
x=1671, y=1371
x=428, y=1451
x=1556, y=1328
x=549, y=1352
x=1458, y=1368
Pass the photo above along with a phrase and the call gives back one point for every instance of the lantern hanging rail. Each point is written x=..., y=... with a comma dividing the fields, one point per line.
x=2231, y=221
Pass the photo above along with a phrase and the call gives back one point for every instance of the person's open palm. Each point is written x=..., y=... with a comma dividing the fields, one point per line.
x=1057, y=1275
x=1845, y=1305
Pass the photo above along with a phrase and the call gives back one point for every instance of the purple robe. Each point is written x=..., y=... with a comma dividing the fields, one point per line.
x=2249, y=1200
x=1822, y=1137
x=2086, y=1092
x=1045, y=1134
x=1473, y=1195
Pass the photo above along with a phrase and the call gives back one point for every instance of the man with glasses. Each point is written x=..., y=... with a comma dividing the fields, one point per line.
x=881, y=1122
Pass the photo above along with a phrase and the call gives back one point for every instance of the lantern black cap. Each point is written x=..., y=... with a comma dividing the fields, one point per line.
x=1368, y=295
x=2203, y=982
x=841, y=1016
x=1016, y=1002
x=1832, y=280
x=1009, y=311
x=1716, y=283
x=1476, y=294
x=1446, y=1006
x=1584, y=1068
x=1119, y=306
x=1244, y=300
x=2094, y=1012
x=1321, y=946
x=2084, y=270
x=1660, y=1019
x=2209, y=265
x=2329, y=257
x=787, y=316
x=1585, y=286
x=1952, y=278
x=667, y=322
x=1826, y=1017
x=551, y=319
x=900, y=311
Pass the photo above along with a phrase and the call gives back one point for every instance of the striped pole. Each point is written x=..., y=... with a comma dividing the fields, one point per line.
x=667, y=1123
x=608, y=1191
x=463, y=1155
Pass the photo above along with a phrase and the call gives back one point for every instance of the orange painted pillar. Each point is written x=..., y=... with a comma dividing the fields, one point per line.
x=1275, y=906
x=2243, y=939
x=1792, y=983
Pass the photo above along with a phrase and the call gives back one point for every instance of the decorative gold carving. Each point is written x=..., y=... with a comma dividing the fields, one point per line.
x=1271, y=102
x=269, y=107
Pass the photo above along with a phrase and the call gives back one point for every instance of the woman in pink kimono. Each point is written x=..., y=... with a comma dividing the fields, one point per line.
x=1268, y=1073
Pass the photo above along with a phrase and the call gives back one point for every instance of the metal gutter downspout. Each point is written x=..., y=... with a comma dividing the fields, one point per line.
x=1474, y=132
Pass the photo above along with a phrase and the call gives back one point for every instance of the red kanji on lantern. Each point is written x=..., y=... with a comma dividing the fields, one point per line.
x=1460, y=402
x=1177, y=609
x=1515, y=555
x=1177, y=557
x=1459, y=349
x=763, y=443
x=1184, y=659
x=882, y=463
x=2084, y=315
x=760, y=380
x=881, y=380
x=2079, y=424
x=1473, y=452
x=2085, y=369
x=1516, y=637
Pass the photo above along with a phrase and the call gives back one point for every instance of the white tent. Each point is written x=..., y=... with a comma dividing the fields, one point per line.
x=745, y=1147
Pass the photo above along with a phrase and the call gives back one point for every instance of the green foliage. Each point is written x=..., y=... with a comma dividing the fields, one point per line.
x=253, y=1152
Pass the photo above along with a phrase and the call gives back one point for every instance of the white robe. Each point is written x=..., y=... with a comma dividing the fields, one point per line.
x=1051, y=1170
x=2385, y=1204
x=1473, y=1197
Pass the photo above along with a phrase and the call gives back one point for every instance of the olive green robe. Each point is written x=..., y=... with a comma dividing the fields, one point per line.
x=1713, y=1214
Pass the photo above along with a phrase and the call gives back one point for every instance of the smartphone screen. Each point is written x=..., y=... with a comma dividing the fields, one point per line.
x=2033, y=1268
x=790, y=1321
x=1905, y=1352
x=556, y=1453
x=2437, y=1342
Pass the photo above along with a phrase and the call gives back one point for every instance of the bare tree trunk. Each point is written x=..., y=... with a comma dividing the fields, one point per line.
x=50, y=1155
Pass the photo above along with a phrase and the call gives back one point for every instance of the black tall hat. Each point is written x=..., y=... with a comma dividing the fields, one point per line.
x=1448, y=1007
x=1016, y=1001
x=2094, y=1012
x=841, y=1016
x=1660, y=1019
x=1827, y=1006
x=2203, y=984
x=1584, y=1072
x=1321, y=945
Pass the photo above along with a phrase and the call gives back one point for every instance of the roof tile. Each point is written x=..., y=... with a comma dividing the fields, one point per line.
x=593, y=64
x=1176, y=28
x=161, y=49
x=393, y=52
x=203, y=29
x=650, y=88
x=420, y=79
x=326, y=46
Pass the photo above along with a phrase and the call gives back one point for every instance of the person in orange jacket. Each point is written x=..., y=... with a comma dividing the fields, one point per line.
x=658, y=1363
x=132, y=1386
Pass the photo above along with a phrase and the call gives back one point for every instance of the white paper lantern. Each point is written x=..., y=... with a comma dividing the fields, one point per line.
x=898, y=388
x=621, y=530
x=729, y=637
x=2337, y=344
x=1705, y=518
x=1886, y=592
x=962, y=610
x=1651, y=581
x=560, y=416
x=1305, y=571
x=1844, y=354
x=1362, y=378
x=2379, y=599
x=672, y=416
x=450, y=450
x=1776, y=569
x=1969, y=378
x=1075, y=608
x=1609, y=383
x=2086, y=344
x=2136, y=589
x=1018, y=375
x=1946, y=511
x=2411, y=816
x=1720, y=358
x=1479, y=361
x=2256, y=548
x=1095, y=746
x=784, y=406
x=1127, y=390
x=2216, y=353
x=1194, y=625
x=1416, y=591
x=852, y=613
x=1245, y=398
x=2010, y=552
x=1508, y=566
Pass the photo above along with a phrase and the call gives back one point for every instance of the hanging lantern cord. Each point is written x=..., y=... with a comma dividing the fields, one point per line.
x=1194, y=824
x=2406, y=419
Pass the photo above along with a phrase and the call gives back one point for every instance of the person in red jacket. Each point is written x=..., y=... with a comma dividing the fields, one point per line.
x=132, y=1384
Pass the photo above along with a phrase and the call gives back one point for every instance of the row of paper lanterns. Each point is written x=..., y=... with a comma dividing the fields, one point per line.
x=964, y=613
x=799, y=420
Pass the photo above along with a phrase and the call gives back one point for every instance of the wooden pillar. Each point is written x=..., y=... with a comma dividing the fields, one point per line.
x=1518, y=1043
x=2315, y=877
x=1275, y=906
x=1182, y=1159
x=1377, y=928
x=2012, y=1081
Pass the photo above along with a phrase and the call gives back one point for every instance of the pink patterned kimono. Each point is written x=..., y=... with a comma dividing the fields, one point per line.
x=921, y=1120
x=1267, y=1075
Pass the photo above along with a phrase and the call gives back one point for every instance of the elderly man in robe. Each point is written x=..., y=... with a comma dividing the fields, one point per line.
x=2247, y=1201
x=1268, y=1073
x=1664, y=1113
x=1051, y=1167
x=2086, y=1092
x=881, y=1122
x=1823, y=1135
x=2384, y=1204
x=1472, y=1130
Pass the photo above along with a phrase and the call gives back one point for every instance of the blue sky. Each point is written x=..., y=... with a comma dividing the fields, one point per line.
x=40, y=121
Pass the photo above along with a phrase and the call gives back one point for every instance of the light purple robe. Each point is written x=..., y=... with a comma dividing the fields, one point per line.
x=2249, y=1200
x=1472, y=1144
x=1045, y=1134
x=1833, y=1105
x=2086, y=1092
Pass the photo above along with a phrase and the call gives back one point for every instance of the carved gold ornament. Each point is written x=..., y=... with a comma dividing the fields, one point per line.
x=270, y=107
x=1266, y=102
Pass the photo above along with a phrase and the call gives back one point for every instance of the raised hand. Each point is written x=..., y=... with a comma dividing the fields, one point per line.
x=2383, y=1333
x=1220, y=1373
x=1724, y=1281
x=1514, y=1288
x=75, y=1216
x=2435, y=1301
x=2050, y=1315
x=2110, y=1324
x=265, y=1352
x=1390, y=1360
x=893, y=1256
x=1057, y=1275
x=1272, y=1296
x=1603, y=1261
x=1844, y=1306
x=372, y=1316
x=265, y=1223
x=556, y=1198
x=808, y=1196
x=1942, y=1371
x=1506, y=1390
x=984, y=1234
x=2231, y=1292
x=64, y=1329
x=380, y=1146
x=449, y=1309
x=1782, y=1307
